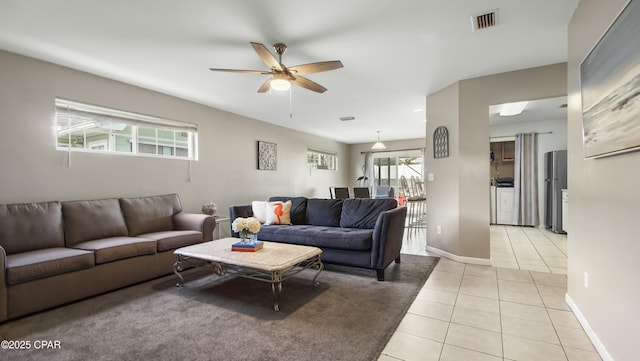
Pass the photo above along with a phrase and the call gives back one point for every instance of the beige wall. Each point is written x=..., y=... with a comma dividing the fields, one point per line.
x=604, y=238
x=459, y=195
x=32, y=170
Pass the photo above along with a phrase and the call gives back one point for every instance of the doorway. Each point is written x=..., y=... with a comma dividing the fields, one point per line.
x=529, y=248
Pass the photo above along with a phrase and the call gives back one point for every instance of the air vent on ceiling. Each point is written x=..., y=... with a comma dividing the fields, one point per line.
x=485, y=20
x=344, y=119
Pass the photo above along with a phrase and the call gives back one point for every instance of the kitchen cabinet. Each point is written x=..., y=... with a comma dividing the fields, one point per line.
x=504, y=205
x=503, y=151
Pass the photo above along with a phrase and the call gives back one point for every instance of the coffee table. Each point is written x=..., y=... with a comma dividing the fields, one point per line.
x=274, y=263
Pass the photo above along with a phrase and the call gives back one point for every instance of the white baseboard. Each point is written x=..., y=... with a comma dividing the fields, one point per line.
x=587, y=328
x=462, y=259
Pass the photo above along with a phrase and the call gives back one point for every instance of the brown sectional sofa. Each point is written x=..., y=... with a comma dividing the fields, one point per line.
x=52, y=253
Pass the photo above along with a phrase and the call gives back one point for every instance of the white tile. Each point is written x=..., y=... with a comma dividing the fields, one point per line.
x=475, y=339
x=478, y=303
x=439, y=296
x=524, y=298
x=442, y=284
x=524, y=349
x=516, y=286
x=547, y=279
x=561, y=271
x=454, y=353
x=561, y=318
x=514, y=275
x=479, y=286
x=581, y=355
x=526, y=312
x=529, y=329
x=478, y=319
x=408, y=347
x=480, y=271
x=424, y=327
x=575, y=338
x=431, y=309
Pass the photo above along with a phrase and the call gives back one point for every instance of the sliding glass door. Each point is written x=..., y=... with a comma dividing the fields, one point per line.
x=389, y=167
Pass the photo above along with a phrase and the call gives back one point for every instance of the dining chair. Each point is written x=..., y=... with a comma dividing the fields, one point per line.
x=361, y=192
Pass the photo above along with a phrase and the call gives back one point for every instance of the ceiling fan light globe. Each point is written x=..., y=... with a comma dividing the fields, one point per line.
x=280, y=84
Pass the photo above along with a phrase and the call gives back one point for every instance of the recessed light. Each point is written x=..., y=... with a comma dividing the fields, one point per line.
x=509, y=109
x=344, y=119
x=417, y=110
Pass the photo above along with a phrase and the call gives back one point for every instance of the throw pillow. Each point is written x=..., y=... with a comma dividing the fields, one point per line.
x=279, y=213
x=259, y=209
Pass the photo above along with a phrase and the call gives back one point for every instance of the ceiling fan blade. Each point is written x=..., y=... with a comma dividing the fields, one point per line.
x=308, y=84
x=241, y=71
x=266, y=56
x=265, y=86
x=315, y=67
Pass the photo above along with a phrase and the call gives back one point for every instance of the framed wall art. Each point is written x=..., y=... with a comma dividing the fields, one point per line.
x=267, y=156
x=610, y=88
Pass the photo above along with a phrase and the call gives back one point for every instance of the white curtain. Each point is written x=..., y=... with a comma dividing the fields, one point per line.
x=367, y=169
x=525, y=182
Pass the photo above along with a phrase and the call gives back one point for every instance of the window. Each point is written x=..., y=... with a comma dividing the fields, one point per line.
x=389, y=167
x=322, y=160
x=84, y=127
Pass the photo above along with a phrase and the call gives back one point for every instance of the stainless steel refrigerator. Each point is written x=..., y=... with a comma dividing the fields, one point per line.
x=555, y=179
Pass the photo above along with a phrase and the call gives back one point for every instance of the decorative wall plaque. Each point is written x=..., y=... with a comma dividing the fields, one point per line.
x=440, y=142
x=267, y=155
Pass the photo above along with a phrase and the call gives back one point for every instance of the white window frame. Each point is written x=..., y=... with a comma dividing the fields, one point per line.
x=108, y=121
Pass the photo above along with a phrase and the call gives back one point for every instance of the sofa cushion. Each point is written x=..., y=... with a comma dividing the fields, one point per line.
x=93, y=219
x=169, y=240
x=30, y=226
x=279, y=212
x=150, y=214
x=319, y=236
x=363, y=213
x=28, y=266
x=116, y=248
x=298, y=208
x=324, y=212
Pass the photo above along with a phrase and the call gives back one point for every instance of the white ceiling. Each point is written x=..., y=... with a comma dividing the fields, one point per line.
x=394, y=52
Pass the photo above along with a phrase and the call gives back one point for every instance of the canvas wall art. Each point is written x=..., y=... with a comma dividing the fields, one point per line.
x=267, y=156
x=610, y=82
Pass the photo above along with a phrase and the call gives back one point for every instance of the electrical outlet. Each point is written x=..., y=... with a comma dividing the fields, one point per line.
x=586, y=279
x=438, y=230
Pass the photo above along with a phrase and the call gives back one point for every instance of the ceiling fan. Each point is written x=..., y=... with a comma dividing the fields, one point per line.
x=281, y=76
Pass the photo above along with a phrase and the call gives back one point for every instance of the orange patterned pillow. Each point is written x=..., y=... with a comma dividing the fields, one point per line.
x=279, y=213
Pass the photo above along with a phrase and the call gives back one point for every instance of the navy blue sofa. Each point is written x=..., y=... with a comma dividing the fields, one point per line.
x=357, y=232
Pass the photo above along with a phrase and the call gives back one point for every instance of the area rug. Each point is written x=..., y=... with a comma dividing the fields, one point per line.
x=349, y=316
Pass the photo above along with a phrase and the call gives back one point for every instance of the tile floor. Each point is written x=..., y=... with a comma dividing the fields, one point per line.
x=528, y=248
x=468, y=312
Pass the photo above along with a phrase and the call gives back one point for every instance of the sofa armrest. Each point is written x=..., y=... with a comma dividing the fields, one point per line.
x=243, y=211
x=387, y=237
x=4, y=297
x=195, y=222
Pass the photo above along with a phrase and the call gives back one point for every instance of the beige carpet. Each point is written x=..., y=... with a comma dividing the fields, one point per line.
x=350, y=316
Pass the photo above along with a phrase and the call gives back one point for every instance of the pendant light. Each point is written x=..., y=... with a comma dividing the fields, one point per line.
x=379, y=145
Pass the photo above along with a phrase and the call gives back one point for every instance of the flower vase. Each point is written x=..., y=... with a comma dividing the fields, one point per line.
x=245, y=237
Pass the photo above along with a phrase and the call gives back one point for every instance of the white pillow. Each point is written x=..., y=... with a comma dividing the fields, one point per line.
x=278, y=212
x=259, y=209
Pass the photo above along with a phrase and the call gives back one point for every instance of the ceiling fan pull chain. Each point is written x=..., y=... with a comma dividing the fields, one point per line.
x=291, y=103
